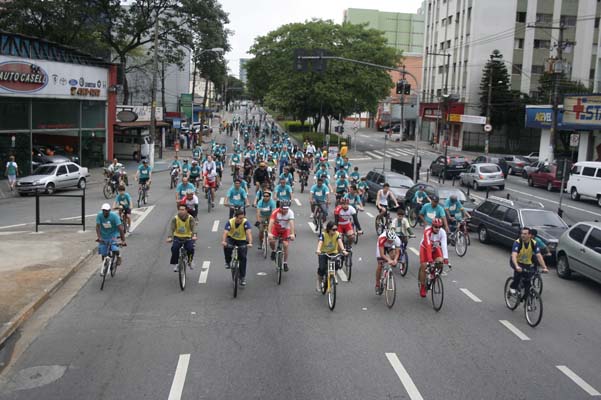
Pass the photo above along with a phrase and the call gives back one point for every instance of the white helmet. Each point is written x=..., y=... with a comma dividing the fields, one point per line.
x=391, y=234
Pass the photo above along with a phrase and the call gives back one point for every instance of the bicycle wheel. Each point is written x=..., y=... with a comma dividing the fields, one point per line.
x=113, y=268
x=413, y=218
x=379, y=225
x=144, y=195
x=332, y=292
x=139, y=198
x=181, y=271
x=533, y=308
x=106, y=264
x=460, y=244
x=537, y=284
x=278, y=267
x=107, y=191
x=348, y=265
x=404, y=263
x=324, y=284
x=437, y=289
x=302, y=183
x=209, y=200
x=390, y=290
x=265, y=244
x=235, y=276
x=511, y=301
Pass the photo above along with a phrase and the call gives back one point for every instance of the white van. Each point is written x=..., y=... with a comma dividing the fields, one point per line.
x=585, y=180
x=129, y=146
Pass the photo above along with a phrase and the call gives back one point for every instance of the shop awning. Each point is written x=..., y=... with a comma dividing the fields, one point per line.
x=138, y=124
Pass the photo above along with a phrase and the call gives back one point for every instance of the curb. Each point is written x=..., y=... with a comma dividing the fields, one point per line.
x=15, y=323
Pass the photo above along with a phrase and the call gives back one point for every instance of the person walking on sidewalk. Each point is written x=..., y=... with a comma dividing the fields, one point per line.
x=108, y=228
x=11, y=171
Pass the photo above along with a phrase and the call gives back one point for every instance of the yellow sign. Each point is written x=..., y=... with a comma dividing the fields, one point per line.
x=454, y=117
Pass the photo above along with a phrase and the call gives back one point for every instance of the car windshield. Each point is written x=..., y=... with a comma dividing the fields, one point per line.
x=542, y=218
x=397, y=182
x=45, y=170
x=457, y=160
x=489, y=169
x=446, y=193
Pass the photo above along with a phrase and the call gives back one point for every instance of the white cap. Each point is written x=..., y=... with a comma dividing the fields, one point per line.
x=106, y=206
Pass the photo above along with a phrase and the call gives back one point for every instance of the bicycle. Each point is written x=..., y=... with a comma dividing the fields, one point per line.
x=318, y=218
x=109, y=261
x=347, y=261
x=403, y=262
x=303, y=180
x=279, y=259
x=235, y=267
x=174, y=178
x=123, y=217
x=265, y=242
x=209, y=197
x=460, y=238
x=109, y=190
x=387, y=285
x=533, y=303
x=183, y=264
x=329, y=282
x=413, y=214
x=142, y=194
x=382, y=222
x=434, y=283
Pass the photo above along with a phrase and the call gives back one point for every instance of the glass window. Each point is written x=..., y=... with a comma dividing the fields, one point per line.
x=55, y=114
x=93, y=114
x=72, y=168
x=511, y=216
x=14, y=113
x=499, y=212
x=598, y=173
x=575, y=170
x=578, y=232
x=486, y=207
x=62, y=170
x=92, y=148
x=593, y=241
x=588, y=171
x=19, y=147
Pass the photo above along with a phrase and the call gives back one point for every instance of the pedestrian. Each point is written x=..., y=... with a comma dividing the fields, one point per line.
x=11, y=171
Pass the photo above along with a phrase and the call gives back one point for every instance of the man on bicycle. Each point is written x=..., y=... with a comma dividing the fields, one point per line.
x=236, y=197
x=455, y=212
x=185, y=169
x=176, y=167
x=191, y=203
x=182, y=188
x=329, y=243
x=387, y=251
x=522, y=253
x=123, y=201
x=144, y=175
x=283, y=191
x=342, y=186
x=261, y=175
x=195, y=172
x=265, y=207
x=433, y=248
x=210, y=183
x=419, y=198
x=108, y=228
x=320, y=197
x=281, y=225
x=182, y=233
x=237, y=232
x=116, y=170
x=383, y=197
x=432, y=210
x=345, y=216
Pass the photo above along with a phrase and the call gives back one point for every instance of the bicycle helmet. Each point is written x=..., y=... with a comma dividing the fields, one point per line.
x=437, y=223
x=434, y=198
x=285, y=204
x=194, y=162
x=344, y=200
x=391, y=234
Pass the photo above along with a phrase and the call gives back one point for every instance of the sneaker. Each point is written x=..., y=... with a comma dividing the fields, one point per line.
x=318, y=287
x=118, y=261
x=285, y=267
x=175, y=268
x=242, y=282
x=311, y=216
x=422, y=291
x=379, y=290
x=191, y=265
x=102, y=273
x=273, y=256
x=227, y=266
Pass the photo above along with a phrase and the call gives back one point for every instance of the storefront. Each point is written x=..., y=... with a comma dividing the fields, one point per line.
x=433, y=126
x=53, y=101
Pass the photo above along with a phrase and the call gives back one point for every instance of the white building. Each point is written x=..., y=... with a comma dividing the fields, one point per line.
x=470, y=30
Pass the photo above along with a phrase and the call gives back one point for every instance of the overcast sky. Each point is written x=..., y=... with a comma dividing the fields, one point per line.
x=252, y=18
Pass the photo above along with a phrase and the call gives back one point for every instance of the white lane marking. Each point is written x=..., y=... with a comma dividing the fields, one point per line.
x=471, y=295
x=15, y=226
x=362, y=135
x=382, y=153
x=342, y=275
x=414, y=251
x=578, y=380
x=513, y=329
x=204, y=272
x=372, y=155
x=312, y=225
x=370, y=215
x=79, y=216
x=215, y=226
x=554, y=202
x=12, y=233
x=359, y=159
x=404, y=377
x=137, y=222
x=298, y=203
x=177, y=387
x=222, y=201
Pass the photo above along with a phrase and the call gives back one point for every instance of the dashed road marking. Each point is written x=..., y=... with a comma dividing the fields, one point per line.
x=222, y=201
x=370, y=215
x=372, y=155
x=15, y=226
x=470, y=295
x=79, y=216
x=342, y=275
x=204, y=272
x=414, y=251
x=514, y=330
x=298, y=203
x=177, y=386
x=215, y=226
x=578, y=380
x=312, y=225
x=403, y=375
x=554, y=202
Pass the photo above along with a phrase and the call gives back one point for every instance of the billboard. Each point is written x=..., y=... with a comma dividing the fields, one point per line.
x=582, y=111
x=23, y=77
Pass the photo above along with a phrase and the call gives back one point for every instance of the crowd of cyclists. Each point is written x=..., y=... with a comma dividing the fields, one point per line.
x=267, y=170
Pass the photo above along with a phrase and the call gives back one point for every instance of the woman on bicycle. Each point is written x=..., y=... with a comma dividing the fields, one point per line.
x=455, y=212
x=330, y=243
x=182, y=233
x=265, y=207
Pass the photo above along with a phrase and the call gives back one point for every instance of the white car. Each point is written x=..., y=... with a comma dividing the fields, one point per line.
x=483, y=175
x=50, y=177
x=585, y=180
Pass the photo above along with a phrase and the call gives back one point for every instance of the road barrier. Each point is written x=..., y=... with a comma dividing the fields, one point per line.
x=81, y=196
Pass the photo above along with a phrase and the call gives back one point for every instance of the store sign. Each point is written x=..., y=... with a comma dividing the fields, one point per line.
x=143, y=112
x=49, y=79
x=127, y=116
x=583, y=111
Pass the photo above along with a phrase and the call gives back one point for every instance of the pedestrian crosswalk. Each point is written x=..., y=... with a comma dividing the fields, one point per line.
x=398, y=153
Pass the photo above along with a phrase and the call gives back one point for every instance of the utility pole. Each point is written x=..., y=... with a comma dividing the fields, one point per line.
x=402, y=108
x=153, y=105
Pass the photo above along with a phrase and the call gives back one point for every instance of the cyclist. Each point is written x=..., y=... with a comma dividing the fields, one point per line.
x=387, y=251
x=419, y=198
x=144, y=175
x=195, y=173
x=355, y=176
x=354, y=198
x=304, y=168
x=182, y=233
x=433, y=248
x=123, y=200
x=108, y=228
x=235, y=161
x=523, y=251
x=342, y=186
x=176, y=167
x=115, y=170
x=210, y=182
x=383, y=197
x=261, y=175
x=544, y=249
x=236, y=197
x=330, y=243
x=283, y=191
x=289, y=176
x=237, y=232
x=284, y=158
x=197, y=153
x=265, y=207
x=185, y=169
x=362, y=187
x=345, y=215
x=281, y=224
x=454, y=212
x=182, y=188
x=346, y=165
x=433, y=210
x=338, y=162
x=320, y=197
x=191, y=203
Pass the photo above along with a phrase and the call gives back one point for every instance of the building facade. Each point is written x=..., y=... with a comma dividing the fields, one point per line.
x=242, y=73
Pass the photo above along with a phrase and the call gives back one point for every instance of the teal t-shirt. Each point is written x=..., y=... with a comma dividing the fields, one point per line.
x=11, y=168
x=144, y=172
x=123, y=200
x=430, y=212
x=109, y=227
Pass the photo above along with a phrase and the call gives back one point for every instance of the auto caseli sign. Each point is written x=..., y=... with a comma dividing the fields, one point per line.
x=22, y=77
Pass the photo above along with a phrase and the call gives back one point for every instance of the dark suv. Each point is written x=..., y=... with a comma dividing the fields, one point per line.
x=399, y=184
x=452, y=166
x=499, y=220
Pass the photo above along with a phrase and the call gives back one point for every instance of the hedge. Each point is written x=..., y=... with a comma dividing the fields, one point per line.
x=295, y=126
x=318, y=138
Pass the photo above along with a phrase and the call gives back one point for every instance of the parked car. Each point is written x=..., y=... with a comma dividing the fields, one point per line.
x=532, y=157
x=579, y=250
x=585, y=180
x=500, y=220
x=38, y=159
x=532, y=167
x=548, y=176
x=483, y=175
x=399, y=184
x=443, y=193
x=493, y=160
x=50, y=177
x=452, y=166
x=515, y=164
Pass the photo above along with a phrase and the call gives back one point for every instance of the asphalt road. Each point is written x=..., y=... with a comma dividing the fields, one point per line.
x=143, y=338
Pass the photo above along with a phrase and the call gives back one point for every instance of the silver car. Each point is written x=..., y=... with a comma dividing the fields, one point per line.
x=579, y=250
x=50, y=177
x=483, y=175
x=515, y=164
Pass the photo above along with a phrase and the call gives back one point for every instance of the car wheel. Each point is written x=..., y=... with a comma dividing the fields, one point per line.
x=599, y=200
x=530, y=182
x=22, y=194
x=81, y=184
x=50, y=188
x=502, y=187
x=574, y=194
x=563, y=268
x=476, y=186
x=549, y=186
x=483, y=234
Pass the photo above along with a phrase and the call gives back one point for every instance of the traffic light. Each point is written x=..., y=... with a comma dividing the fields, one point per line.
x=400, y=87
x=407, y=88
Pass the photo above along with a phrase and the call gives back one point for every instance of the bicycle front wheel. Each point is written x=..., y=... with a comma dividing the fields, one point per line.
x=379, y=225
x=404, y=263
x=265, y=244
x=460, y=244
x=332, y=292
x=107, y=191
x=390, y=290
x=412, y=218
x=511, y=300
x=209, y=201
x=106, y=264
x=278, y=267
x=113, y=267
x=537, y=284
x=533, y=308
x=348, y=265
x=181, y=272
x=437, y=290
x=139, y=198
x=235, y=277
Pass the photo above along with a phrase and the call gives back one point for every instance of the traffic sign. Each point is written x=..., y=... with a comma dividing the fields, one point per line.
x=488, y=128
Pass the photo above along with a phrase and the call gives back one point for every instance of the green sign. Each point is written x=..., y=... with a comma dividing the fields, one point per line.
x=185, y=105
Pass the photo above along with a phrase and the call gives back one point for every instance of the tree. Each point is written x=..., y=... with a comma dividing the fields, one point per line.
x=501, y=97
x=564, y=86
x=340, y=90
x=234, y=89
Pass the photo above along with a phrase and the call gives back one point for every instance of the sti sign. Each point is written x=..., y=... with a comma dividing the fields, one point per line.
x=582, y=112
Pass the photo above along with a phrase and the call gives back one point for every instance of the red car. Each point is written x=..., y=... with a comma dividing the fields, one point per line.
x=548, y=176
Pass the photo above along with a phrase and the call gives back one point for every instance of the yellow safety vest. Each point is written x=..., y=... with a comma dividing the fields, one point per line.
x=330, y=243
x=237, y=232
x=182, y=228
x=525, y=253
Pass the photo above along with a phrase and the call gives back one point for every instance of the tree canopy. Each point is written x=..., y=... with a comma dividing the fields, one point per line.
x=502, y=98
